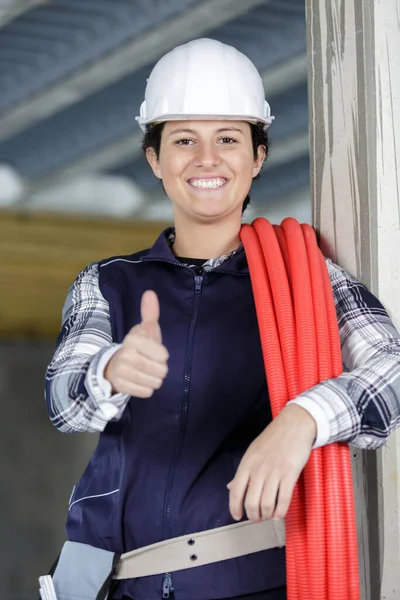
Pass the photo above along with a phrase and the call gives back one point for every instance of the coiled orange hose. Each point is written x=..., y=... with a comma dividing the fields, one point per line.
x=301, y=347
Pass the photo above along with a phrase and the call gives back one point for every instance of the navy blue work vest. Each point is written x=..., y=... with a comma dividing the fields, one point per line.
x=161, y=470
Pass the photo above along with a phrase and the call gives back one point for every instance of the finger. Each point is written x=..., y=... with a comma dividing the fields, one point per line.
x=269, y=496
x=284, y=498
x=238, y=487
x=148, y=348
x=150, y=307
x=150, y=313
x=136, y=361
x=125, y=386
x=153, y=350
x=252, y=502
x=152, y=330
x=139, y=378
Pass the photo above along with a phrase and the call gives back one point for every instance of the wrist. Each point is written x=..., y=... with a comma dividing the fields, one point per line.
x=108, y=373
x=304, y=420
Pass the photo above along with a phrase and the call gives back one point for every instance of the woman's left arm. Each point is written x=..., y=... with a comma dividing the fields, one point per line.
x=361, y=406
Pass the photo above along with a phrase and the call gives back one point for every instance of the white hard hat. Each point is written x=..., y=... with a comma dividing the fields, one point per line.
x=204, y=79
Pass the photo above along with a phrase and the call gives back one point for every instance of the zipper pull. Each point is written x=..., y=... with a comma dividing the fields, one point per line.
x=167, y=586
x=198, y=281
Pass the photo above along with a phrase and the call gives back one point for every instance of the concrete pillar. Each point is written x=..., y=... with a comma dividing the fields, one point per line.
x=354, y=96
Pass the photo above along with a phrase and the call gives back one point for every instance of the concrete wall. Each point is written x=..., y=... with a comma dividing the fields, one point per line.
x=39, y=466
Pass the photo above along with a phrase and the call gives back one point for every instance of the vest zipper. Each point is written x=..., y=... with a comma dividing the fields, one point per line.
x=168, y=587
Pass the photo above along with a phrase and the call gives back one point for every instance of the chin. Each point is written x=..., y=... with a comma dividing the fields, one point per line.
x=209, y=209
x=211, y=213
x=212, y=208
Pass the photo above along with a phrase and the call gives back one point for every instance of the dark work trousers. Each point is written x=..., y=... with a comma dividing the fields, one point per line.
x=275, y=594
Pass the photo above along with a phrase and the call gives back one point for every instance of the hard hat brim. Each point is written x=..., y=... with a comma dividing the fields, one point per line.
x=164, y=118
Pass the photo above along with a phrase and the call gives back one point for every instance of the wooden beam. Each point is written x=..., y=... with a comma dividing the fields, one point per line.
x=41, y=254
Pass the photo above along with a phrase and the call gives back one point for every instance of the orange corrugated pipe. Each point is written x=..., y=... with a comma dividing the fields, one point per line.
x=301, y=347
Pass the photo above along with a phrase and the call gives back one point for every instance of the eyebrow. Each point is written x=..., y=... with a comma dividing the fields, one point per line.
x=192, y=131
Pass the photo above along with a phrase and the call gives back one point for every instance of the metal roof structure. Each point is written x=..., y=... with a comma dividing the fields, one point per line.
x=73, y=74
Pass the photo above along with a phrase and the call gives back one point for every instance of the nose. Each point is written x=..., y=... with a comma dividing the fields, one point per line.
x=207, y=156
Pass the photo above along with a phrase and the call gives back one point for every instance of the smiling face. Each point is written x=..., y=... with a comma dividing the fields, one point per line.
x=206, y=167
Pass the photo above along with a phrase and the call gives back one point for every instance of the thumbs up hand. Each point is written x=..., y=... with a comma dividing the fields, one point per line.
x=140, y=365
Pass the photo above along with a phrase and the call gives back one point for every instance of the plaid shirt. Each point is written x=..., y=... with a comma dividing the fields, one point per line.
x=361, y=406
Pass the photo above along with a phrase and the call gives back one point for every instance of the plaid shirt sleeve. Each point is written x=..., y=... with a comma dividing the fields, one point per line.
x=361, y=406
x=76, y=397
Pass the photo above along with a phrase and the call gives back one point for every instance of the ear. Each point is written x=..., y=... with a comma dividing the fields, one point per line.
x=258, y=162
x=153, y=162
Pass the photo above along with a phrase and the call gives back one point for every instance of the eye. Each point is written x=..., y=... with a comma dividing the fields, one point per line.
x=228, y=140
x=184, y=142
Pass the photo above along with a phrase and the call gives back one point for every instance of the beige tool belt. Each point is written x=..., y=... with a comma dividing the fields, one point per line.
x=203, y=548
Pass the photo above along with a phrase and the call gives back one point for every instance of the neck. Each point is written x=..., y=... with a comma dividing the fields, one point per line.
x=202, y=240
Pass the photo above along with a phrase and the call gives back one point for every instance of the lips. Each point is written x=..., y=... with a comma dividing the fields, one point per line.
x=207, y=183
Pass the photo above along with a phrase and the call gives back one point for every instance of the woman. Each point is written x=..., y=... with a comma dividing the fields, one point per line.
x=160, y=352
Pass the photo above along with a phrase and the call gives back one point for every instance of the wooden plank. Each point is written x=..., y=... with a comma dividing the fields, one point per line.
x=41, y=254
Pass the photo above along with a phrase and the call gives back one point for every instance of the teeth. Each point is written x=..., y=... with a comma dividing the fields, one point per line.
x=208, y=183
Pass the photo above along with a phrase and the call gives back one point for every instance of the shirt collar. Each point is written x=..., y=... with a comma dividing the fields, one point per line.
x=162, y=250
x=211, y=263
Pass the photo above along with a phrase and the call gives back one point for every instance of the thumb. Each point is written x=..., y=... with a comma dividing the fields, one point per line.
x=150, y=313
